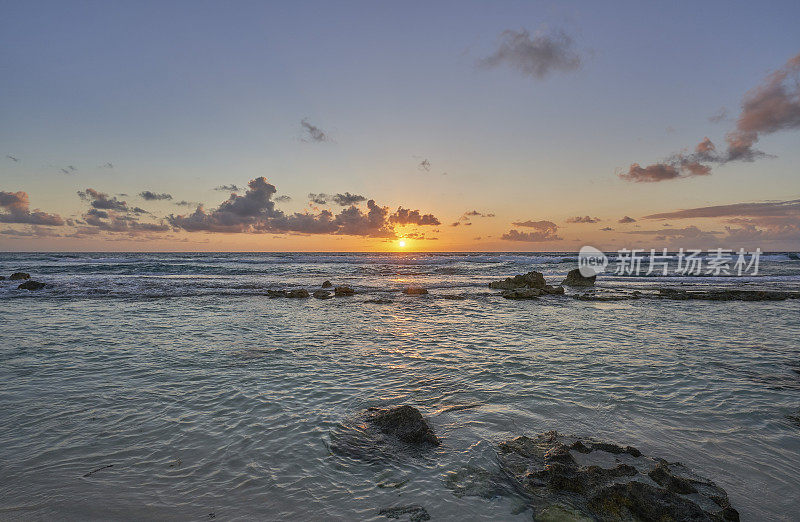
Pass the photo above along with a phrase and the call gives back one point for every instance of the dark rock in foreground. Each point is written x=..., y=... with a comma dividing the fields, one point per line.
x=384, y=434
x=404, y=422
x=31, y=285
x=414, y=512
x=575, y=278
x=322, y=294
x=415, y=290
x=343, y=291
x=327, y=284
x=728, y=295
x=574, y=479
x=523, y=293
x=19, y=275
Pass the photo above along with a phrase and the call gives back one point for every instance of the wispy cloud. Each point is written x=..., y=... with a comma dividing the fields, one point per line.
x=538, y=56
x=768, y=108
x=542, y=231
x=583, y=219
x=148, y=195
x=312, y=133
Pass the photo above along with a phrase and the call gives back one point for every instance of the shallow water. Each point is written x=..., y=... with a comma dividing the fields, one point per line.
x=208, y=397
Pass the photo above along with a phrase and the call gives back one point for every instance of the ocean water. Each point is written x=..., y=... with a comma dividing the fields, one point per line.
x=193, y=394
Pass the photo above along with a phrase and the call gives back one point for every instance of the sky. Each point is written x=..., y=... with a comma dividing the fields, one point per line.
x=361, y=126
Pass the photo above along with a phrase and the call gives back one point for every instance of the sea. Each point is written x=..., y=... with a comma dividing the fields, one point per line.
x=170, y=386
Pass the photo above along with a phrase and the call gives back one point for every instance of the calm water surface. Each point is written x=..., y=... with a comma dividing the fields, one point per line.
x=208, y=397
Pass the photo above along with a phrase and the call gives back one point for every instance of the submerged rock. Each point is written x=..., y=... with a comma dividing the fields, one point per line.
x=575, y=278
x=343, y=291
x=299, y=293
x=728, y=295
x=322, y=294
x=415, y=290
x=597, y=480
x=327, y=284
x=19, y=275
x=414, y=512
x=404, y=422
x=31, y=285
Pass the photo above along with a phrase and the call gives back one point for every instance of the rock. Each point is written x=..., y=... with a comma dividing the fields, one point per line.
x=604, y=481
x=471, y=481
x=728, y=295
x=343, y=291
x=404, y=422
x=299, y=293
x=31, y=285
x=523, y=293
x=322, y=294
x=2, y=278
x=276, y=293
x=326, y=284
x=530, y=280
x=415, y=513
x=553, y=290
x=575, y=278
x=415, y=290
x=19, y=275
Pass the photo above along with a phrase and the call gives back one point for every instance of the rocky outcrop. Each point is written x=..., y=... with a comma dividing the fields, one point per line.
x=415, y=290
x=523, y=293
x=575, y=278
x=728, y=295
x=19, y=275
x=327, y=284
x=530, y=281
x=322, y=294
x=31, y=285
x=404, y=422
x=343, y=291
x=594, y=480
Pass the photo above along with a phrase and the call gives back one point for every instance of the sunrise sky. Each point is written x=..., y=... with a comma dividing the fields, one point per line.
x=353, y=125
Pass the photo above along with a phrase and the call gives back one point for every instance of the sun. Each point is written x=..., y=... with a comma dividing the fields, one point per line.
x=401, y=243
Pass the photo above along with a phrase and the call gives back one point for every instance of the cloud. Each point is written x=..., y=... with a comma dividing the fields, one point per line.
x=539, y=225
x=18, y=211
x=101, y=200
x=626, y=219
x=69, y=169
x=720, y=115
x=606, y=229
x=347, y=199
x=424, y=165
x=475, y=213
x=228, y=188
x=772, y=106
x=687, y=233
x=184, y=203
x=404, y=216
x=319, y=199
x=536, y=57
x=768, y=208
x=255, y=212
x=107, y=165
x=283, y=197
x=12, y=158
x=583, y=219
x=312, y=133
x=543, y=231
x=153, y=196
